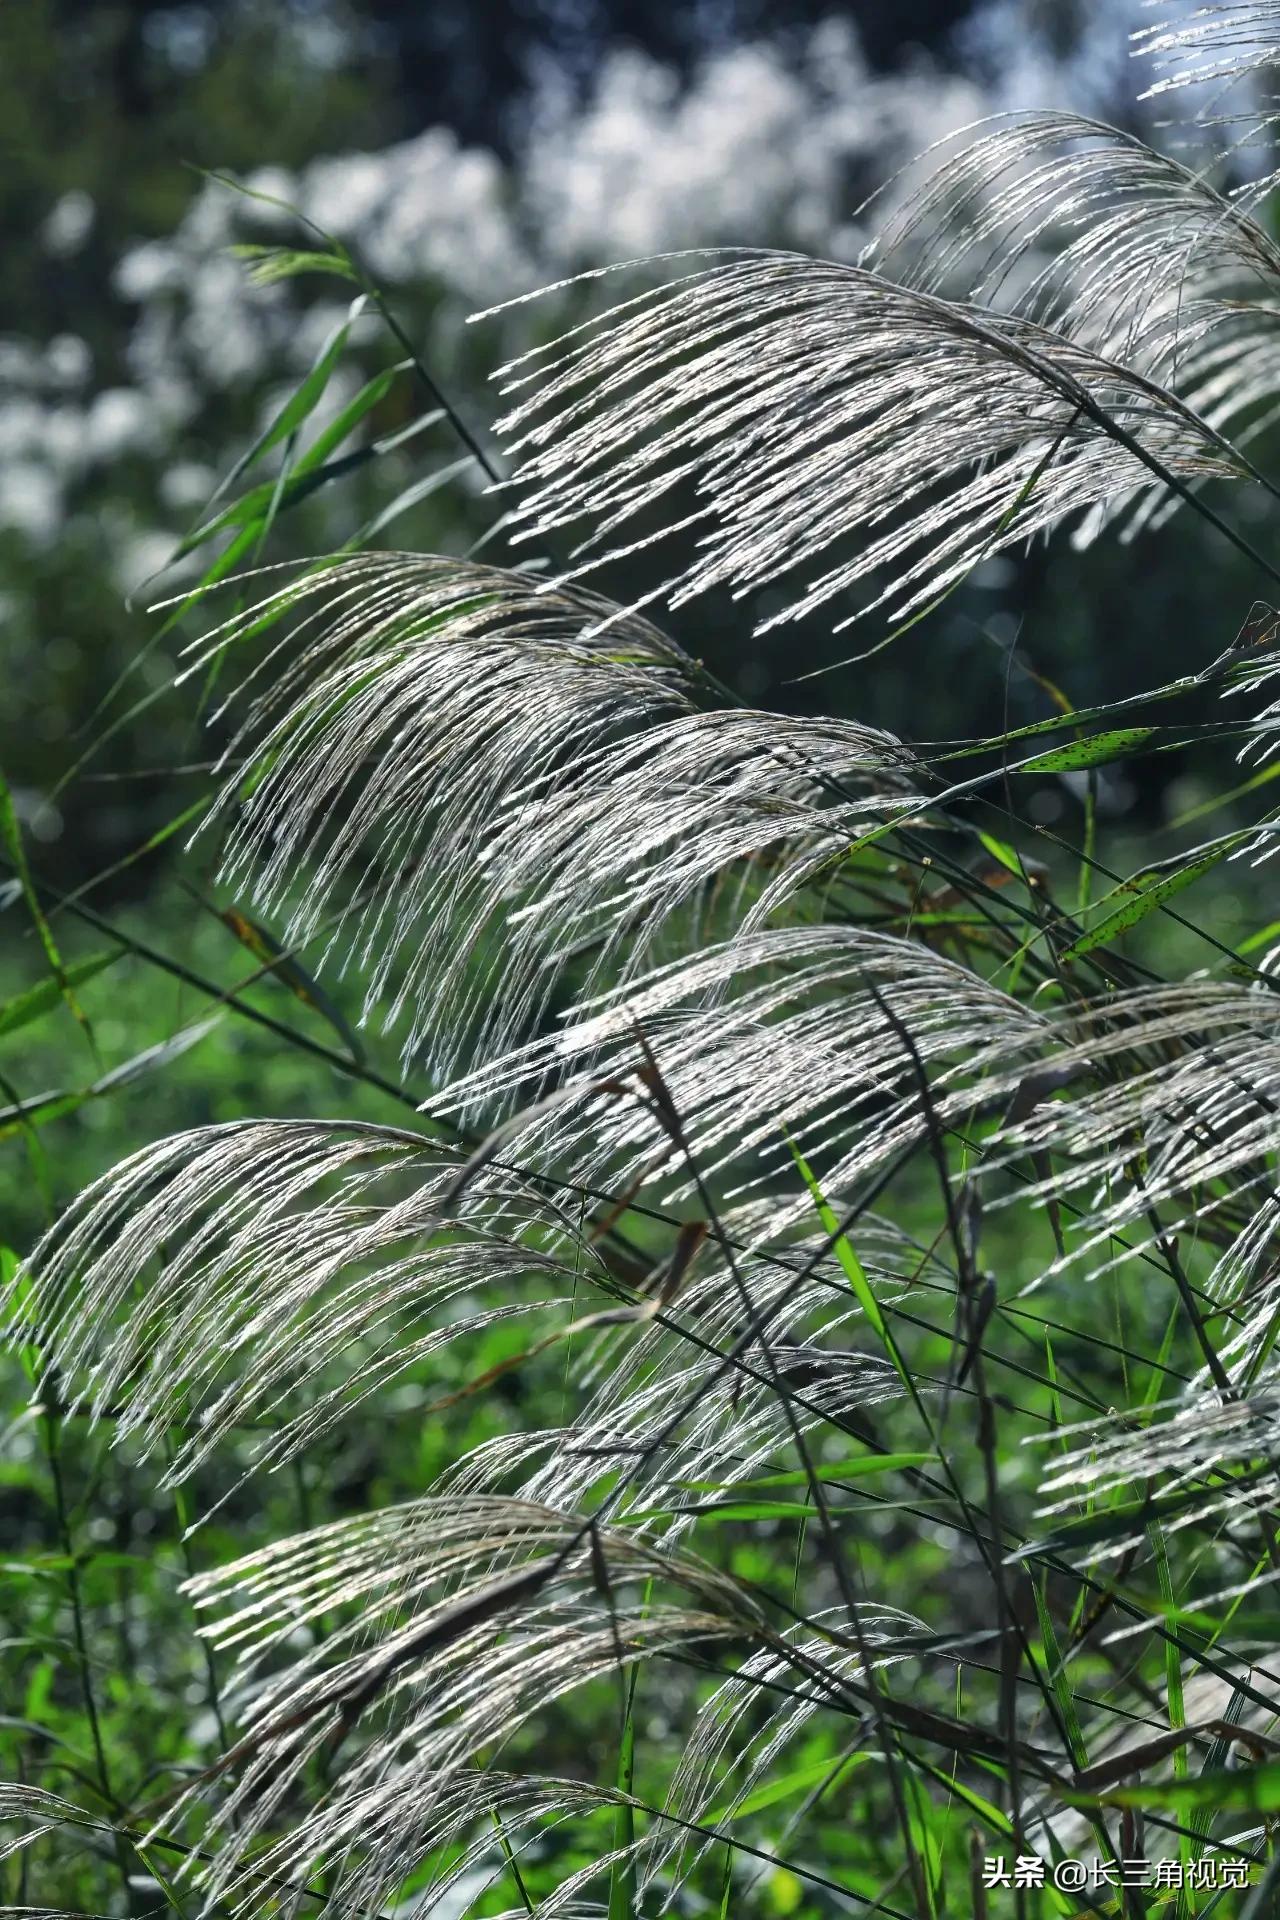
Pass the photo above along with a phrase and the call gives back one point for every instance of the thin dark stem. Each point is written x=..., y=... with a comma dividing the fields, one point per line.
x=50, y=1426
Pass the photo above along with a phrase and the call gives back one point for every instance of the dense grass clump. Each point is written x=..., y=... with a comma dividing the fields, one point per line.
x=770, y=1406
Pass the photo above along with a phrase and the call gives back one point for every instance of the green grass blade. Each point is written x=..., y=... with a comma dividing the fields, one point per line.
x=1148, y=893
x=48, y=993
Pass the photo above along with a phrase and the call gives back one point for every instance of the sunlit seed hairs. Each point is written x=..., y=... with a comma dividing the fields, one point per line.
x=608, y=913
x=816, y=427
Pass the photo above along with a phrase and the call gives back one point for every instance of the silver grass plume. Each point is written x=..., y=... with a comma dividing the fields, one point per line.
x=734, y=1746
x=431, y=1658
x=222, y=1273
x=774, y=1032
x=517, y=792
x=272, y=1275
x=28, y=1813
x=735, y=1426
x=266, y=1278
x=1168, y=1141
x=416, y=680
x=1230, y=53
x=1209, y=1459
x=1121, y=249
x=1213, y=44
x=1184, y=1079
x=1172, y=1143
x=1255, y=660
x=798, y=417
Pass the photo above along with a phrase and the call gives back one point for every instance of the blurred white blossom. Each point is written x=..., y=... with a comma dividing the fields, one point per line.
x=68, y=224
x=29, y=500
x=758, y=147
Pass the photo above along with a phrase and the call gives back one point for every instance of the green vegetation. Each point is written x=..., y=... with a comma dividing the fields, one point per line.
x=671, y=1307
